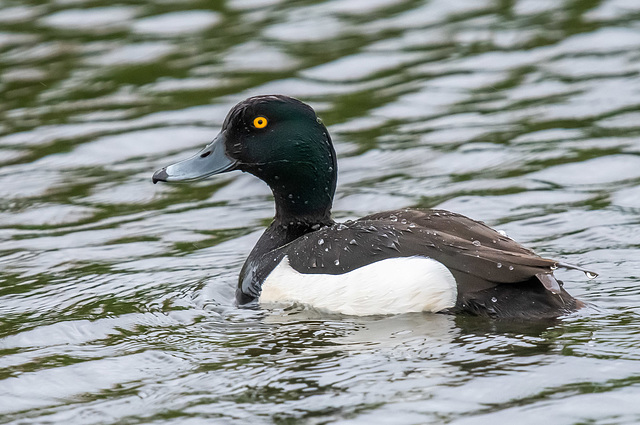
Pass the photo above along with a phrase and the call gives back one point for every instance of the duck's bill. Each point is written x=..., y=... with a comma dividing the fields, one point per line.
x=209, y=161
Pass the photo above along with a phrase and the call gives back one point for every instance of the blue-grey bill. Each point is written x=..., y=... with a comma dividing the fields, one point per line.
x=209, y=161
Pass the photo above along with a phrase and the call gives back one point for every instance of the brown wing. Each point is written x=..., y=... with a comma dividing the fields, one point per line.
x=473, y=248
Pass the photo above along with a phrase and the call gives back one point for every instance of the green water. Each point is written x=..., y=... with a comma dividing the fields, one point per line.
x=116, y=296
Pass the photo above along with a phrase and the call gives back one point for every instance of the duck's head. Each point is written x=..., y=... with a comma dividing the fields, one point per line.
x=279, y=140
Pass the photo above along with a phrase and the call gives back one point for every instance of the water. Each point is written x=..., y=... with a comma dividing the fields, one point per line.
x=116, y=303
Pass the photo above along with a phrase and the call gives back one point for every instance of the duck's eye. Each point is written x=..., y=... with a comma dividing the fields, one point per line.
x=259, y=122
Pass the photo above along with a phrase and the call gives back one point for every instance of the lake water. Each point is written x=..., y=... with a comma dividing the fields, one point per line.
x=116, y=296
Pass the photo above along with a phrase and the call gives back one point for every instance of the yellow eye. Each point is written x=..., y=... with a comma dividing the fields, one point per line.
x=259, y=122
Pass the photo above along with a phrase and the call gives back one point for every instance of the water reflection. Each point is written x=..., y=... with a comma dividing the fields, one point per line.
x=117, y=295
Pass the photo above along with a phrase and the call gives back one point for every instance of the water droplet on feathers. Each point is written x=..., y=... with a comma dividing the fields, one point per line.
x=353, y=242
x=499, y=265
x=503, y=233
x=320, y=241
x=337, y=262
x=510, y=267
x=494, y=300
x=476, y=243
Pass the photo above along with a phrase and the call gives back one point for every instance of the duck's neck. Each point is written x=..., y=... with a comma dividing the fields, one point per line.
x=303, y=202
x=297, y=213
x=306, y=207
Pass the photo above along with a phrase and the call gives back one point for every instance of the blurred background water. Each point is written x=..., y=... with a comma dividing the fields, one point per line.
x=116, y=296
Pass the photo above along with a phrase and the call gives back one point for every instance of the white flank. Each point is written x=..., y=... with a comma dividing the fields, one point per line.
x=392, y=286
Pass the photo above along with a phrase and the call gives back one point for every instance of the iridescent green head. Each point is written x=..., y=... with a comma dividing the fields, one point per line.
x=279, y=140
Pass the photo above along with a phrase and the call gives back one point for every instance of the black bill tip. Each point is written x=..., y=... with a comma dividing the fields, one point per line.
x=160, y=176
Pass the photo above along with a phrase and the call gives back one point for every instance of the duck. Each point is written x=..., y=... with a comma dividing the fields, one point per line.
x=393, y=262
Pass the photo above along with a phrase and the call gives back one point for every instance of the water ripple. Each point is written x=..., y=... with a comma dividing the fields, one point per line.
x=117, y=296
